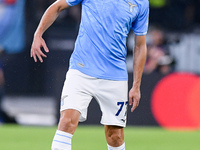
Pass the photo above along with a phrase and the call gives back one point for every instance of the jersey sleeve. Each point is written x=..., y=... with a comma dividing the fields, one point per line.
x=140, y=25
x=73, y=2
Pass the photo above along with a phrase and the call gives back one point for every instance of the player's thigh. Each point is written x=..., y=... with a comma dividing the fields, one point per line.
x=76, y=93
x=113, y=100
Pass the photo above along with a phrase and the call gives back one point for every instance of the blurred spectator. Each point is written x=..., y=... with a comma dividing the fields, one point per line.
x=158, y=58
x=12, y=25
x=11, y=36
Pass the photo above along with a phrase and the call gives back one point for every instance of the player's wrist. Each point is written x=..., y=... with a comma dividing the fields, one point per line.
x=136, y=85
x=38, y=33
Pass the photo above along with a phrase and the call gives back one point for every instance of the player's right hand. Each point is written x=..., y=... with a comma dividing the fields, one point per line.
x=36, y=52
x=134, y=97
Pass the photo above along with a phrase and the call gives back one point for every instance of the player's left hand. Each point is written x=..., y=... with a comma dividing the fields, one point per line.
x=134, y=97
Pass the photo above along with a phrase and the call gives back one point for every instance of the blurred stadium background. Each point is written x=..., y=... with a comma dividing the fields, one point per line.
x=30, y=92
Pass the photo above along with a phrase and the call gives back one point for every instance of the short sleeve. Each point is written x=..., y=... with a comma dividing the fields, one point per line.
x=73, y=2
x=140, y=25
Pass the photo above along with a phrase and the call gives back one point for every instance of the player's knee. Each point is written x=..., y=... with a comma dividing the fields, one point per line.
x=66, y=122
x=67, y=125
x=115, y=139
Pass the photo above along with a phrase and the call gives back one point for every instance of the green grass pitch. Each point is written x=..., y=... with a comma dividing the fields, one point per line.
x=15, y=137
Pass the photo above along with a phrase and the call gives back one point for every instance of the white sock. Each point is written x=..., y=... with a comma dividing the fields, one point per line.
x=61, y=141
x=122, y=147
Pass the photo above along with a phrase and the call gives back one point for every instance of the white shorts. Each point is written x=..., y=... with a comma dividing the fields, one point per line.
x=79, y=89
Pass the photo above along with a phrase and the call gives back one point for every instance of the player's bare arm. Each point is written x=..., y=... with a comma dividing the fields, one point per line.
x=47, y=20
x=140, y=52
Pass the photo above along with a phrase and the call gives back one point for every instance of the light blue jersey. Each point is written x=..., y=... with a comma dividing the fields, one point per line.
x=100, y=48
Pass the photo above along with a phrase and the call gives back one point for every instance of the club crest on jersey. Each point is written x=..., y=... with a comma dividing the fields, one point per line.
x=131, y=6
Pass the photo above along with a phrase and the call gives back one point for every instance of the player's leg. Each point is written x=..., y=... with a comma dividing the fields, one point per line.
x=112, y=97
x=115, y=137
x=75, y=98
x=67, y=125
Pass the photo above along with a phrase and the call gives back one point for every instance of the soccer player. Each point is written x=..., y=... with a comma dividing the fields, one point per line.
x=98, y=65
